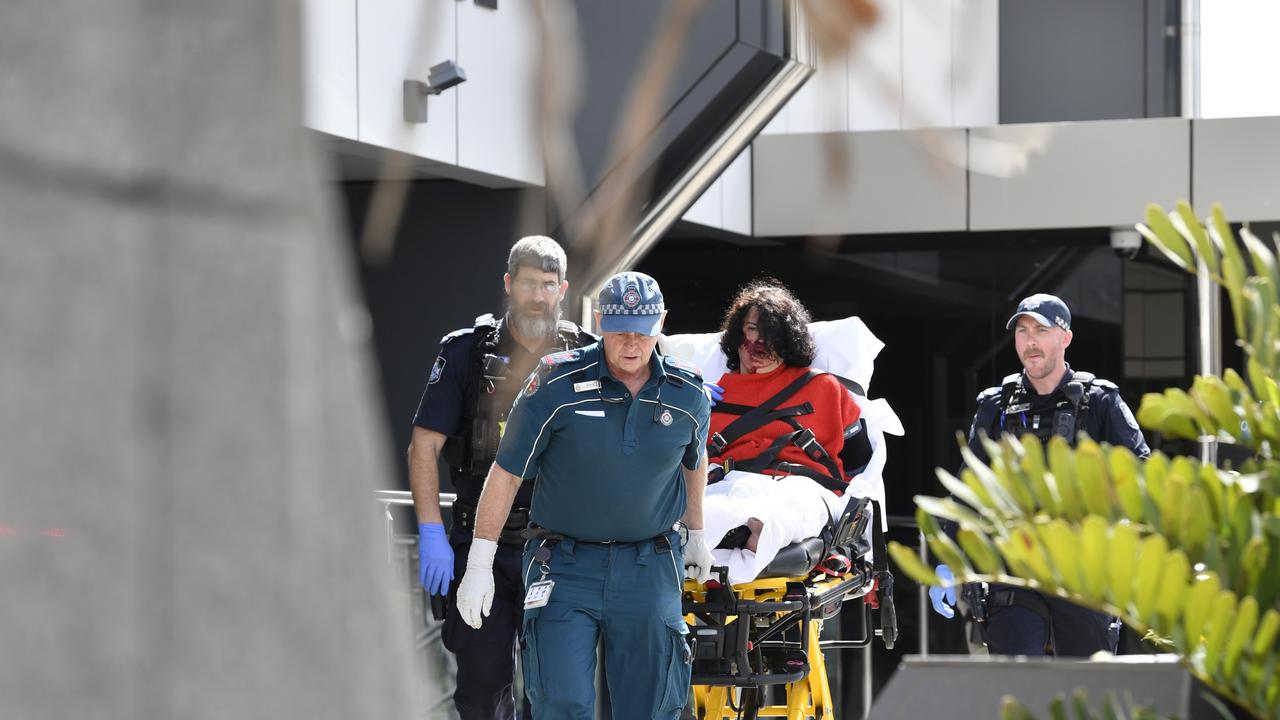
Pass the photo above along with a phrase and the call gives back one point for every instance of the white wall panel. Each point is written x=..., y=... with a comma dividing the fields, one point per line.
x=726, y=205
x=975, y=63
x=898, y=183
x=778, y=124
x=735, y=199
x=1062, y=175
x=875, y=72
x=401, y=40
x=706, y=211
x=497, y=114
x=926, y=63
x=821, y=104
x=329, y=66
x=1237, y=163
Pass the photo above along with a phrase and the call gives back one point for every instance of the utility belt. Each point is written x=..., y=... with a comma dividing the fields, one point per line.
x=661, y=543
x=464, y=516
x=983, y=601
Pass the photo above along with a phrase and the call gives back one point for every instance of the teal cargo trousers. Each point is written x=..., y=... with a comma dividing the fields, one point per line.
x=626, y=594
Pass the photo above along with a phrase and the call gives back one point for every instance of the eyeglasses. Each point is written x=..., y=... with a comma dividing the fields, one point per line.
x=548, y=288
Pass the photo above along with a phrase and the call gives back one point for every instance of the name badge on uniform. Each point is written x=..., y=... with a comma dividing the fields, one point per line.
x=538, y=595
x=1012, y=409
x=586, y=385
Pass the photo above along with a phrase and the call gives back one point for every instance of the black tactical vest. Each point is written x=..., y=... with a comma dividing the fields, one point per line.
x=472, y=449
x=1062, y=413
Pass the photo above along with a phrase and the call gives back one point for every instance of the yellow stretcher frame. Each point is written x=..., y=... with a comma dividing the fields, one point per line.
x=808, y=696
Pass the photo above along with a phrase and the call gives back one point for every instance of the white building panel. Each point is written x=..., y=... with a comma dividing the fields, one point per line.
x=1237, y=163
x=706, y=211
x=400, y=40
x=875, y=72
x=735, y=199
x=926, y=63
x=329, y=66
x=975, y=63
x=1063, y=175
x=900, y=181
x=497, y=109
x=821, y=104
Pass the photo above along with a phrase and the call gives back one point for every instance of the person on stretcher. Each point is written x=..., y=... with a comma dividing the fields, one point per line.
x=777, y=434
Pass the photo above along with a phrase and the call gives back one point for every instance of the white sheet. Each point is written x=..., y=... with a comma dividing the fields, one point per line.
x=792, y=508
x=846, y=347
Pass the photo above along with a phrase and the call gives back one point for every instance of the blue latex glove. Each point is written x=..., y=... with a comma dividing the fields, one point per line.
x=714, y=392
x=435, y=559
x=944, y=599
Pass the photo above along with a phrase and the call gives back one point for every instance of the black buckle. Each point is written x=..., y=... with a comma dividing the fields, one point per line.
x=805, y=438
x=717, y=444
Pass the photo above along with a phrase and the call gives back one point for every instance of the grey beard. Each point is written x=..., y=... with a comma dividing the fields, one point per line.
x=535, y=327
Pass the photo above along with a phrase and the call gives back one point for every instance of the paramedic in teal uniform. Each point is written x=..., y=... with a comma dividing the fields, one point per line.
x=615, y=435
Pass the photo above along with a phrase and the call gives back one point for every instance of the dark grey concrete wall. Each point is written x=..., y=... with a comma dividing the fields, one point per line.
x=450, y=253
x=190, y=435
x=1088, y=60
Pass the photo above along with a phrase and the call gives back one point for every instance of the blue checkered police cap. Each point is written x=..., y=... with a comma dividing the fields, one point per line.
x=1048, y=310
x=631, y=302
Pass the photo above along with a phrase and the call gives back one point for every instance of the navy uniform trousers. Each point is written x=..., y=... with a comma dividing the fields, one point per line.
x=486, y=657
x=627, y=595
x=1077, y=631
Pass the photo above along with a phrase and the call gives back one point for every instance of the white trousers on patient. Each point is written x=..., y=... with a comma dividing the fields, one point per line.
x=792, y=508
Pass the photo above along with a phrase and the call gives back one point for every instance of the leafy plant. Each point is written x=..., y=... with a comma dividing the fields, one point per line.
x=1187, y=552
x=1079, y=709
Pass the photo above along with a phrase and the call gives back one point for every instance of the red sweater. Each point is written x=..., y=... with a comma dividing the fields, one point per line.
x=834, y=410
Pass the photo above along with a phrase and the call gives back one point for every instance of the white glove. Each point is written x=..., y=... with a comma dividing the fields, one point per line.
x=697, y=557
x=475, y=592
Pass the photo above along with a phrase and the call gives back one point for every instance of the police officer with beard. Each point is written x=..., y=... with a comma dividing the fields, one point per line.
x=1047, y=398
x=461, y=416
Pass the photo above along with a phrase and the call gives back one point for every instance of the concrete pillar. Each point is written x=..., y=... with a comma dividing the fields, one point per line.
x=189, y=429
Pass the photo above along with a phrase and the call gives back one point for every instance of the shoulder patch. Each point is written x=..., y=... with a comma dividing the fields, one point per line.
x=436, y=370
x=531, y=387
x=560, y=358
x=687, y=367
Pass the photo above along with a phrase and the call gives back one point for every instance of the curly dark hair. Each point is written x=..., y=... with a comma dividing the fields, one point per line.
x=783, y=323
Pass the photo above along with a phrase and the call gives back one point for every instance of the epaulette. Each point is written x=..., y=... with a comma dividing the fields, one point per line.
x=693, y=371
x=560, y=358
x=485, y=322
x=455, y=335
x=1106, y=385
x=1011, y=378
x=572, y=332
x=989, y=393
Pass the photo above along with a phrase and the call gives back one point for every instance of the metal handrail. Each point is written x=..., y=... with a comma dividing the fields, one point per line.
x=909, y=522
x=401, y=498
x=404, y=497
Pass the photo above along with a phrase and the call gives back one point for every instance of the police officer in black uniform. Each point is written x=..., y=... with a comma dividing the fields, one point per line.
x=462, y=414
x=1047, y=398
